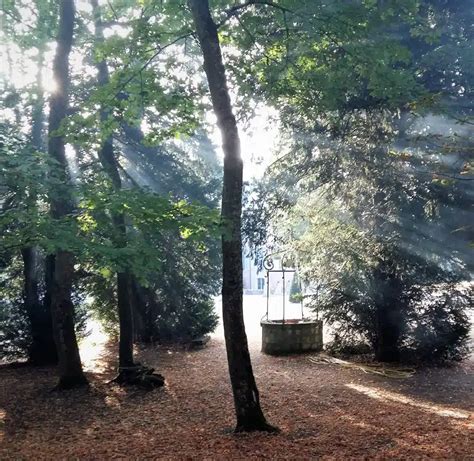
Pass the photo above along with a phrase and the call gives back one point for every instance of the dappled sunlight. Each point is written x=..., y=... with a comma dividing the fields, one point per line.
x=383, y=395
x=300, y=169
x=93, y=348
x=357, y=422
x=112, y=401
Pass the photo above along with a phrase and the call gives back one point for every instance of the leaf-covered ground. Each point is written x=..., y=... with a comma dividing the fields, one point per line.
x=323, y=410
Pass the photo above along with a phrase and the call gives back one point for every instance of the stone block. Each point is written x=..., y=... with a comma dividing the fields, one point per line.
x=283, y=338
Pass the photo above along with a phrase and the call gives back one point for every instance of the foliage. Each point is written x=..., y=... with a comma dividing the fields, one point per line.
x=295, y=290
x=170, y=209
x=355, y=83
x=15, y=334
x=14, y=328
x=373, y=217
x=189, y=321
x=438, y=329
x=368, y=192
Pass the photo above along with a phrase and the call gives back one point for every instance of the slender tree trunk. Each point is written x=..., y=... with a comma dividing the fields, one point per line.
x=62, y=308
x=389, y=315
x=388, y=334
x=130, y=372
x=110, y=164
x=146, y=310
x=42, y=350
x=125, y=321
x=246, y=397
x=48, y=283
x=31, y=296
x=141, y=323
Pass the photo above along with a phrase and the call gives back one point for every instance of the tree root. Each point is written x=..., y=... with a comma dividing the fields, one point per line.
x=139, y=375
x=71, y=382
x=262, y=427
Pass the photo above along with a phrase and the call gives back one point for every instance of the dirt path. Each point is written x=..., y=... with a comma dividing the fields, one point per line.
x=323, y=410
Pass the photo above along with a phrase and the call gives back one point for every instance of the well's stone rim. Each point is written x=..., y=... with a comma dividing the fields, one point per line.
x=280, y=338
x=291, y=322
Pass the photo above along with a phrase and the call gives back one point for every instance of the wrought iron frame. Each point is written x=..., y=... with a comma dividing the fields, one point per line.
x=269, y=266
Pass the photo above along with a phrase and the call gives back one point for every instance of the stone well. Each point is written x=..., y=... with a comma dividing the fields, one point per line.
x=292, y=336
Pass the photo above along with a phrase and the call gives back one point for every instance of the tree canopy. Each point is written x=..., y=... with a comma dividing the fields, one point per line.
x=118, y=203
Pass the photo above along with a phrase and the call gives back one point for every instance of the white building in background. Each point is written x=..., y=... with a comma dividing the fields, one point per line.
x=255, y=279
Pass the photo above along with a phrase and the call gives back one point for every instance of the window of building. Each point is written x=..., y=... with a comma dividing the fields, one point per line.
x=260, y=283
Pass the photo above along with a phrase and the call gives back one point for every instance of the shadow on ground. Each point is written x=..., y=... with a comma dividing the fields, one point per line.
x=322, y=409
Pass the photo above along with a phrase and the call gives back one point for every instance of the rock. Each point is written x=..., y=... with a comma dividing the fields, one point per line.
x=199, y=342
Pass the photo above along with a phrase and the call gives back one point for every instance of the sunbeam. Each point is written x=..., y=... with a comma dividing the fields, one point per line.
x=387, y=396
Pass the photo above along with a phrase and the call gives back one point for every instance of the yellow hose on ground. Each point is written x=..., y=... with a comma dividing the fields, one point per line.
x=376, y=369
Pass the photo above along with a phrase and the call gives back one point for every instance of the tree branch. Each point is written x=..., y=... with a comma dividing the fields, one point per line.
x=159, y=49
x=234, y=11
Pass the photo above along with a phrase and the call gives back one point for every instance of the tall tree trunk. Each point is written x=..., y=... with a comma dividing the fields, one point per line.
x=141, y=323
x=146, y=309
x=389, y=321
x=131, y=373
x=110, y=164
x=246, y=397
x=61, y=200
x=389, y=314
x=388, y=334
x=42, y=350
x=125, y=320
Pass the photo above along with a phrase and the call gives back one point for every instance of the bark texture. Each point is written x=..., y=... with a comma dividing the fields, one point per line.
x=246, y=397
x=130, y=372
x=145, y=310
x=62, y=308
x=110, y=164
x=42, y=350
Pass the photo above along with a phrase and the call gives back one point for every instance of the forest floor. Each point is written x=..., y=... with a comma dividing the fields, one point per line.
x=323, y=410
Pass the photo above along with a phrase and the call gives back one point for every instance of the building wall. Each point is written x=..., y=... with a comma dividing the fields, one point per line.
x=255, y=280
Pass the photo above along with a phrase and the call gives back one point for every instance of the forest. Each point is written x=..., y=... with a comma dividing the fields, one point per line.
x=154, y=154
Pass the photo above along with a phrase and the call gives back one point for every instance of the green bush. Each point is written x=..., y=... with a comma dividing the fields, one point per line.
x=295, y=290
